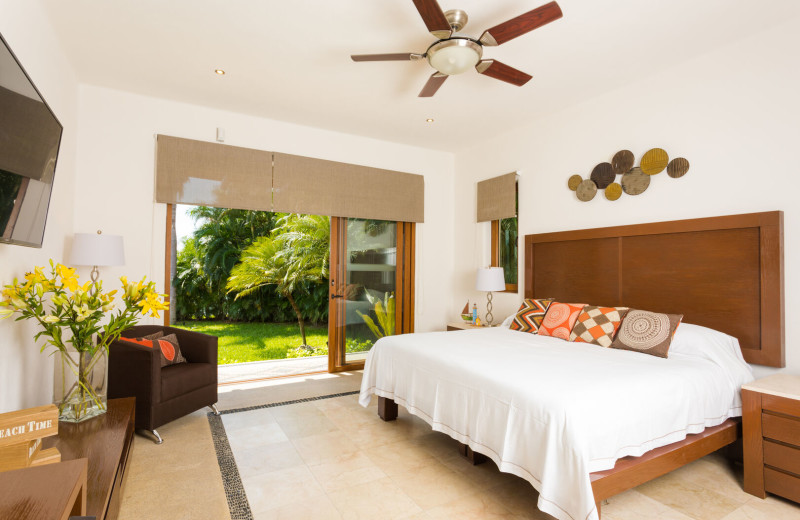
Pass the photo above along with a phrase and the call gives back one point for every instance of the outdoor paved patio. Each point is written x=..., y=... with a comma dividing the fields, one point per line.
x=238, y=372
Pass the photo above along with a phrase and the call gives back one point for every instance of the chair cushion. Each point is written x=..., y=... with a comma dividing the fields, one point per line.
x=180, y=379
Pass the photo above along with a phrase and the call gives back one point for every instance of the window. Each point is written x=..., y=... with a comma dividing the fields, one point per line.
x=505, y=248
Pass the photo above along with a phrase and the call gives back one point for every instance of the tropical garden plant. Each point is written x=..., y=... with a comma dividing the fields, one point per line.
x=293, y=259
x=78, y=317
x=384, y=314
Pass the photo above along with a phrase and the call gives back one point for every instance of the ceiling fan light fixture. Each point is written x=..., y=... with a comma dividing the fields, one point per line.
x=454, y=56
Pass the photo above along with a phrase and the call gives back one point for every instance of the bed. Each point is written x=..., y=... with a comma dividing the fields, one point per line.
x=531, y=403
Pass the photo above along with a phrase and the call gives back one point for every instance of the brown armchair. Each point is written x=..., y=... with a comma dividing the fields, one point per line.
x=164, y=394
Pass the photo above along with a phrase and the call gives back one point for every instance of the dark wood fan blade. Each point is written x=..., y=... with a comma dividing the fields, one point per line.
x=433, y=84
x=434, y=18
x=524, y=23
x=403, y=56
x=498, y=70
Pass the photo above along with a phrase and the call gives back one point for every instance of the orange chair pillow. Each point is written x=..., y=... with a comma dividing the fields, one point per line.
x=168, y=345
x=560, y=319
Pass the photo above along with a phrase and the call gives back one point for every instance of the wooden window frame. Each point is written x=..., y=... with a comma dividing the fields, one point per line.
x=510, y=287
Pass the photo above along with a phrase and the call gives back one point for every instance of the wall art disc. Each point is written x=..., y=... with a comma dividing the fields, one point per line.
x=574, y=181
x=677, y=168
x=654, y=161
x=622, y=161
x=603, y=175
x=586, y=191
x=635, y=181
x=613, y=191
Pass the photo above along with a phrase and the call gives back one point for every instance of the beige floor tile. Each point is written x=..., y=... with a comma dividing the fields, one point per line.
x=716, y=474
x=437, y=444
x=296, y=427
x=632, y=505
x=433, y=485
x=351, y=469
x=398, y=458
x=474, y=507
x=317, y=508
x=520, y=498
x=239, y=420
x=485, y=475
x=768, y=509
x=689, y=498
x=253, y=436
x=318, y=448
x=263, y=459
x=280, y=488
x=377, y=500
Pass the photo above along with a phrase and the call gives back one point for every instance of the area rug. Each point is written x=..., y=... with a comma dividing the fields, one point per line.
x=234, y=489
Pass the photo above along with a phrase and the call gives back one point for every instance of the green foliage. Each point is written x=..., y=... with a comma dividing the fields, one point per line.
x=242, y=342
x=508, y=249
x=293, y=259
x=207, y=258
x=384, y=313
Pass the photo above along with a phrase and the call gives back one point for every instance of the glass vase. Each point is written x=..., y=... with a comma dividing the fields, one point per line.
x=80, y=385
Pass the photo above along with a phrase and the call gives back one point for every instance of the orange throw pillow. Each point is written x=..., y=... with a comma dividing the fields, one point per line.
x=560, y=319
x=168, y=345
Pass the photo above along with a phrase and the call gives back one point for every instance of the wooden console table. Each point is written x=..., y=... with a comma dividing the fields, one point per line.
x=106, y=442
x=55, y=491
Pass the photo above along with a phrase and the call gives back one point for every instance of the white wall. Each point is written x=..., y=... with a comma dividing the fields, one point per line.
x=26, y=376
x=116, y=164
x=732, y=113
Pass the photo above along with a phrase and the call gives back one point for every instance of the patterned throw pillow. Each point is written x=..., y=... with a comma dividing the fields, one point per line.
x=530, y=314
x=560, y=319
x=647, y=332
x=168, y=345
x=597, y=325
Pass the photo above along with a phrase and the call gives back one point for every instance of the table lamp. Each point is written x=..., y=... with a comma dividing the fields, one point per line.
x=490, y=279
x=96, y=249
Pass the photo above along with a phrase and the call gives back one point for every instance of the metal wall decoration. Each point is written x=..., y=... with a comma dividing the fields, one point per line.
x=635, y=179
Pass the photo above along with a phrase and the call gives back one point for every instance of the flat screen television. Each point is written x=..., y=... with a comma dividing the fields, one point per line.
x=30, y=135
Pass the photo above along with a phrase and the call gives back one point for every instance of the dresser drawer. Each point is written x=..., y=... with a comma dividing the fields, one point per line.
x=781, y=428
x=782, y=484
x=782, y=457
x=774, y=403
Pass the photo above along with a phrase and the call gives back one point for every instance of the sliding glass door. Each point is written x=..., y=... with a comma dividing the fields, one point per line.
x=371, y=291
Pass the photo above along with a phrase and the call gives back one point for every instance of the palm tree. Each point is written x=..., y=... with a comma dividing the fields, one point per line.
x=293, y=257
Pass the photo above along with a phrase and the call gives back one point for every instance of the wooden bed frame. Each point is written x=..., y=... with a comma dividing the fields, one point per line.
x=725, y=273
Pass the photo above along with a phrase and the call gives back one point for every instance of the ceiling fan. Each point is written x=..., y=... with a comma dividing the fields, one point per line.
x=453, y=53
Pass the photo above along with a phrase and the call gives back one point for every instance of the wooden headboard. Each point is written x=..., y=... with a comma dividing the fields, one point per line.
x=725, y=273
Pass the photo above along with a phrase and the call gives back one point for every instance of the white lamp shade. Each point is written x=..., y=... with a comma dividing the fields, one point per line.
x=490, y=279
x=96, y=249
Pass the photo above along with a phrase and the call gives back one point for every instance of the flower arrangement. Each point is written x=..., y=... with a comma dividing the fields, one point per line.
x=71, y=315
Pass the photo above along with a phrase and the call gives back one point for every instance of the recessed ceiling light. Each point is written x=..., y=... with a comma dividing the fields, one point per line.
x=429, y=120
x=219, y=72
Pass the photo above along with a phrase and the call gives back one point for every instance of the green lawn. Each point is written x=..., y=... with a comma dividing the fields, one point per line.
x=241, y=342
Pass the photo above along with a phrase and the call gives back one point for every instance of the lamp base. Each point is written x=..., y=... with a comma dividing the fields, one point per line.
x=489, y=317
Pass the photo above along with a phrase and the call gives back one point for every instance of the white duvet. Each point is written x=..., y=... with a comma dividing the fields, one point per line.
x=552, y=411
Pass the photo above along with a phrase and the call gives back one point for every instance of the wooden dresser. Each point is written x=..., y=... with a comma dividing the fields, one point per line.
x=771, y=431
x=105, y=441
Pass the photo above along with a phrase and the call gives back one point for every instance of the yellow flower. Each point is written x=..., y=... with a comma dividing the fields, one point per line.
x=19, y=304
x=68, y=277
x=5, y=313
x=152, y=304
x=50, y=319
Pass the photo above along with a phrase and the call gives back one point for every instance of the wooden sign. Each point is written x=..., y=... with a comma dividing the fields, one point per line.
x=21, y=434
x=28, y=424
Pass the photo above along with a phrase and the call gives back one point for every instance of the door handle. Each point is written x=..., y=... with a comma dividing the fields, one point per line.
x=334, y=296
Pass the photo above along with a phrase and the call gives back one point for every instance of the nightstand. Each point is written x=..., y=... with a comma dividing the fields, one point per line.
x=462, y=325
x=771, y=429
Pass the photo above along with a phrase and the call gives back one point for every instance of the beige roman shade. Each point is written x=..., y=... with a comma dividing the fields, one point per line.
x=212, y=174
x=497, y=198
x=316, y=186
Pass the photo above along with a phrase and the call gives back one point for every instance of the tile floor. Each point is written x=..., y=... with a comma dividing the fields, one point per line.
x=333, y=459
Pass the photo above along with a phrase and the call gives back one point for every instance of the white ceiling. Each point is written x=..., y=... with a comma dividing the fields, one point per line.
x=289, y=60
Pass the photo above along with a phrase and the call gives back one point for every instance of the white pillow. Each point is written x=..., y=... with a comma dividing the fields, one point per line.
x=715, y=346
x=507, y=322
